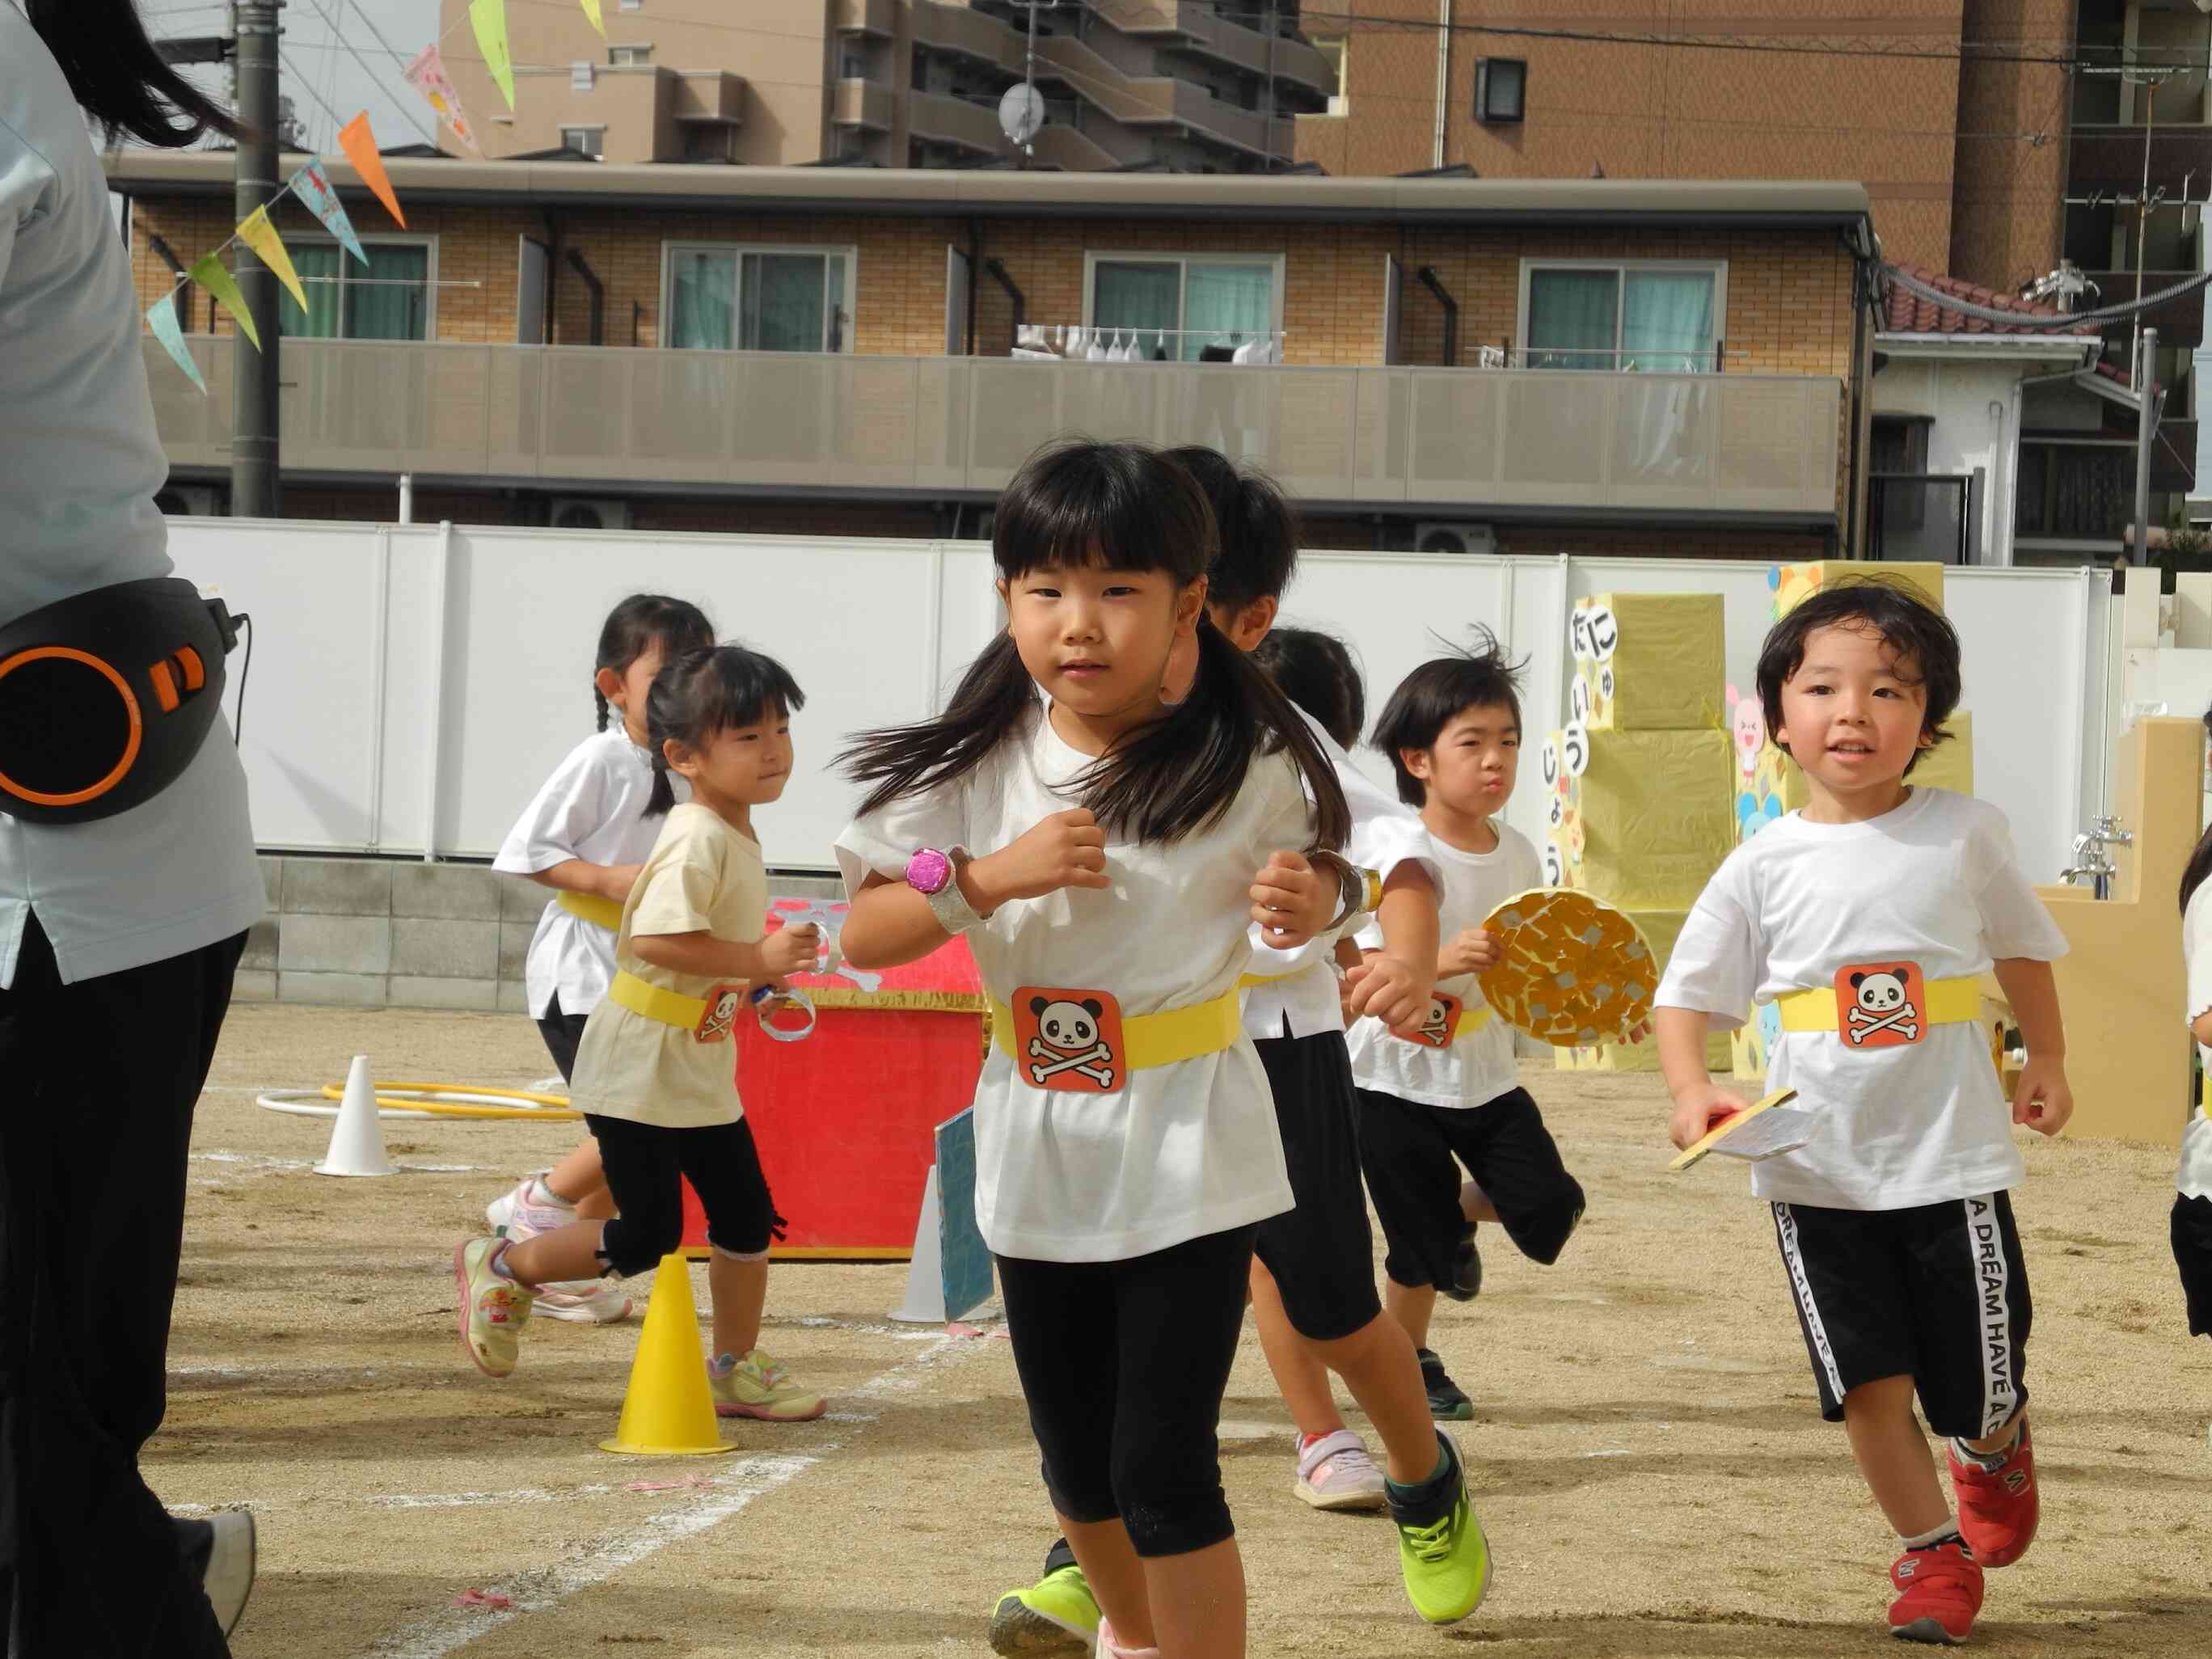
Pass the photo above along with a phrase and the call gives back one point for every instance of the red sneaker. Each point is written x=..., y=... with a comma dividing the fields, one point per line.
x=1997, y=1508
x=1939, y=1591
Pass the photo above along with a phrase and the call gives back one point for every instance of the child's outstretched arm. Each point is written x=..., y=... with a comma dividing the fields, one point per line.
x=1394, y=984
x=892, y=923
x=785, y=951
x=1699, y=1102
x=2044, y=1100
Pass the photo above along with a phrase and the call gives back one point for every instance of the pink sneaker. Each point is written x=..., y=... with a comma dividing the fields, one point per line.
x=584, y=1301
x=525, y=1210
x=1335, y=1473
x=1110, y=1648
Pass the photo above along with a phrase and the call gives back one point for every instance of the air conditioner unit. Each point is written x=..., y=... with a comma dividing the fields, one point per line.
x=1453, y=536
x=589, y=513
x=190, y=500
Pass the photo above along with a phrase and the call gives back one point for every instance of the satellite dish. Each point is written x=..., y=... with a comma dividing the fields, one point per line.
x=1021, y=113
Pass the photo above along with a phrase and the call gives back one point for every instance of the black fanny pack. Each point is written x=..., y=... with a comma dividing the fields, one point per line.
x=106, y=696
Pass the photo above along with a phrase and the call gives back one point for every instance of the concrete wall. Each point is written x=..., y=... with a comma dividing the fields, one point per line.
x=385, y=933
x=1966, y=434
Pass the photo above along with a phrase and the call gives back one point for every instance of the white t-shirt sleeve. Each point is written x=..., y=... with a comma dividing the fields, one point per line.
x=2014, y=922
x=1715, y=968
x=571, y=804
x=884, y=842
x=2196, y=951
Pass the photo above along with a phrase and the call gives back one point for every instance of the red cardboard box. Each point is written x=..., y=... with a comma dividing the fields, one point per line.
x=846, y=1119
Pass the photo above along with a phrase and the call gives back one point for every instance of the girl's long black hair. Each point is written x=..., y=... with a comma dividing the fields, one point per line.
x=636, y=625
x=702, y=692
x=118, y=77
x=2200, y=861
x=1116, y=506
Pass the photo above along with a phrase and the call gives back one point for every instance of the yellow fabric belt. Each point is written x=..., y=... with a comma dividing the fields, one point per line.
x=1471, y=1020
x=1162, y=1039
x=1950, y=1002
x=654, y=1002
x=601, y=912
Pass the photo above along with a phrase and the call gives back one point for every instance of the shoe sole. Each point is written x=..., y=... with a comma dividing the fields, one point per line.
x=461, y=1283
x=1462, y=1412
x=1350, y=1500
x=229, y=1580
x=761, y=1414
x=1928, y=1631
x=1019, y=1631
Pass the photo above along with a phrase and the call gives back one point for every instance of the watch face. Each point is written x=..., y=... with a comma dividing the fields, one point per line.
x=929, y=871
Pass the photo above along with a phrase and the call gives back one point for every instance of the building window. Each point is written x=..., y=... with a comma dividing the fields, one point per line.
x=629, y=57
x=1334, y=47
x=585, y=141
x=390, y=298
x=1898, y=444
x=1656, y=317
x=2075, y=492
x=1176, y=307
x=1501, y=89
x=854, y=66
x=723, y=298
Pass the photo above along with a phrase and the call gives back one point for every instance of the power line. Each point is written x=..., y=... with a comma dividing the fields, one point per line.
x=406, y=105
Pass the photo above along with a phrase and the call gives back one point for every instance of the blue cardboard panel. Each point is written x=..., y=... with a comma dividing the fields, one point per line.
x=966, y=1259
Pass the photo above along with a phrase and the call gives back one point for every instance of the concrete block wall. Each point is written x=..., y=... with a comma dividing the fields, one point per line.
x=385, y=933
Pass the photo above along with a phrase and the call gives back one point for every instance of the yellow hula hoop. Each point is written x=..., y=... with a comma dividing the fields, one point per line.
x=545, y=1108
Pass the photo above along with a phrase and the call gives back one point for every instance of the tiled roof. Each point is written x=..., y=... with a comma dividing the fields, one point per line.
x=1907, y=313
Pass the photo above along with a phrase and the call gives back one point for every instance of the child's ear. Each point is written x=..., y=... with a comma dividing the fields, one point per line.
x=681, y=761
x=1927, y=740
x=1415, y=761
x=1190, y=605
x=609, y=685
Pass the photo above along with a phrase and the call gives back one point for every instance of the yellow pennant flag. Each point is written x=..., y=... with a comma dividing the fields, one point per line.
x=208, y=273
x=257, y=234
x=592, y=11
x=488, y=18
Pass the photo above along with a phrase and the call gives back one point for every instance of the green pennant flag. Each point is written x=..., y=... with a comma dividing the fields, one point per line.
x=208, y=271
x=488, y=18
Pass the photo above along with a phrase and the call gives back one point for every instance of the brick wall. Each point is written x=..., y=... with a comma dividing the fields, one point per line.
x=2008, y=221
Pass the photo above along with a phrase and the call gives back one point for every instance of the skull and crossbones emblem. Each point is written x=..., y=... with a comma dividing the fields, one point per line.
x=1435, y=1025
x=1068, y=1040
x=1881, y=1005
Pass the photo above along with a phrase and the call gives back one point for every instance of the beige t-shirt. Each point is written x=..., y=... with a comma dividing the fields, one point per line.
x=702, y=877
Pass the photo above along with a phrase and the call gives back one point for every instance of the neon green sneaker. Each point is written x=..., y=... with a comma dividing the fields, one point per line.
x=1057, y=1615
x=758, y=1385
x=1442, y=1552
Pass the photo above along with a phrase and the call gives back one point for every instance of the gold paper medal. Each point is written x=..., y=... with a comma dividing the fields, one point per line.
x=1572, y=970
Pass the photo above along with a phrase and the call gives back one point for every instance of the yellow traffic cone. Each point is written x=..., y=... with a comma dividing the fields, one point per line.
x=669, y=1411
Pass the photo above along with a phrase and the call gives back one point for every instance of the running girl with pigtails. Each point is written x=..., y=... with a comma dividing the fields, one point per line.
x=585, y=836
x=653, y=1071
x=1106, y=852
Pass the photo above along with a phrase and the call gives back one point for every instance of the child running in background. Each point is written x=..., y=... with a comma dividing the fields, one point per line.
x=2191, y=1222
x=1318, y=1259
x=653, y=1072
x=1870, y=916
x=585, y=835
x=1450, y=1095
x=1317, y=673
x=1125, y=1146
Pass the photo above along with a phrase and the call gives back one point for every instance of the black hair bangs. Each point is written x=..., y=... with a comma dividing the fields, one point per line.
x=1428, y=699
x=1905, y=623
x=1108, y=506
x=702, y=692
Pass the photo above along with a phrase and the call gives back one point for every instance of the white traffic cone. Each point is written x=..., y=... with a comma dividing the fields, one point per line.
x=924, y=1275
x=357, y=1138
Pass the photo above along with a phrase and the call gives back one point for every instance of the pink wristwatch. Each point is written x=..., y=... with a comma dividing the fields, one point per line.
x=935, y=876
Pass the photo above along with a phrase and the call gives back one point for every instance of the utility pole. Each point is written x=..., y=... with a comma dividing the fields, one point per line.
x=2146, y=430
x=254, y=442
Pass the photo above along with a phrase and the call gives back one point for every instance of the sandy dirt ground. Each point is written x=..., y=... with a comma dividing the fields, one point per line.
x=1647, y=1456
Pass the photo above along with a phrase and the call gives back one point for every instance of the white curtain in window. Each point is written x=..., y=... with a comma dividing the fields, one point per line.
x=1225, y=305
x=1572, y=316
x=1666, y=322
x=702, y=288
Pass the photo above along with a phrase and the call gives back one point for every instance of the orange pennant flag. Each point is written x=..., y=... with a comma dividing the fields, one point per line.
x=359, y=144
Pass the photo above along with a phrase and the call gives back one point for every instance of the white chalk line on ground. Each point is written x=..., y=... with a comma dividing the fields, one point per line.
x=542, y=1588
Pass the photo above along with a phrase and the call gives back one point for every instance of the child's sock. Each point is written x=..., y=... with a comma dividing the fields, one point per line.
x=497, y=1262
x=1432, y=1491
x=722, y=1365
x=1990, y=1461
x=1946, y=1532
x=542, y=1194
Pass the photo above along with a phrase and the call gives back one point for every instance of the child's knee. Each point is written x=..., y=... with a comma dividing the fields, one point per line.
x=630, y=1245
x=1542, y=1233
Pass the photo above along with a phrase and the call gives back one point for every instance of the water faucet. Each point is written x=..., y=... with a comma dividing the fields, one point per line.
x=2089, y=858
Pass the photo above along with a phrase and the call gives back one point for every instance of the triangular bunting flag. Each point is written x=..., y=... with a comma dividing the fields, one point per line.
x=258, y=234
x=489, y=19
x=359, y=144
x=312, y=185
x=162, y=317
x=426, y=75
x=592, y=11
x=208, y=271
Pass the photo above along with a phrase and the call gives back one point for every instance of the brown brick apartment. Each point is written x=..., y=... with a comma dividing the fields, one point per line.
x=1532, y=367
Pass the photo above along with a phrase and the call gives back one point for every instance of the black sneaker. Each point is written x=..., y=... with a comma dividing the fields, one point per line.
x=221, y=1550
x=1447, y=1402
x=1467, y=1269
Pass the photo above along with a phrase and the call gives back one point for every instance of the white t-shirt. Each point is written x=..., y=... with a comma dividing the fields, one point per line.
x=592, y=808
x=1934, y=882
x=80, y=462
x=1300, y=997
x=700, y=876
x=1178, y=1150
x=1480, y=1068
x=2193, y=1177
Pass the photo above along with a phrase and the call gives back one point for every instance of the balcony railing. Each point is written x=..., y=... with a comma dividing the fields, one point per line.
x=1922, y=517
x=577, y=414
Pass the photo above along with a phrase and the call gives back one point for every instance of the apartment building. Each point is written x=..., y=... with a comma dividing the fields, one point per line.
x=1659, y=367
x=1192, y=86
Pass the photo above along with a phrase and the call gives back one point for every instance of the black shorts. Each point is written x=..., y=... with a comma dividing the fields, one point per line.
x=644, y=1161
x=562, y=1032
x=2191, y=1230
x=1937, y=1293
x=1408, y=1151
x=1322, y=1253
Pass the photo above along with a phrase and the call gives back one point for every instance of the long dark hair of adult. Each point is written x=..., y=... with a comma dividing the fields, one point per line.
x=1113, y=506
x=117, y=76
